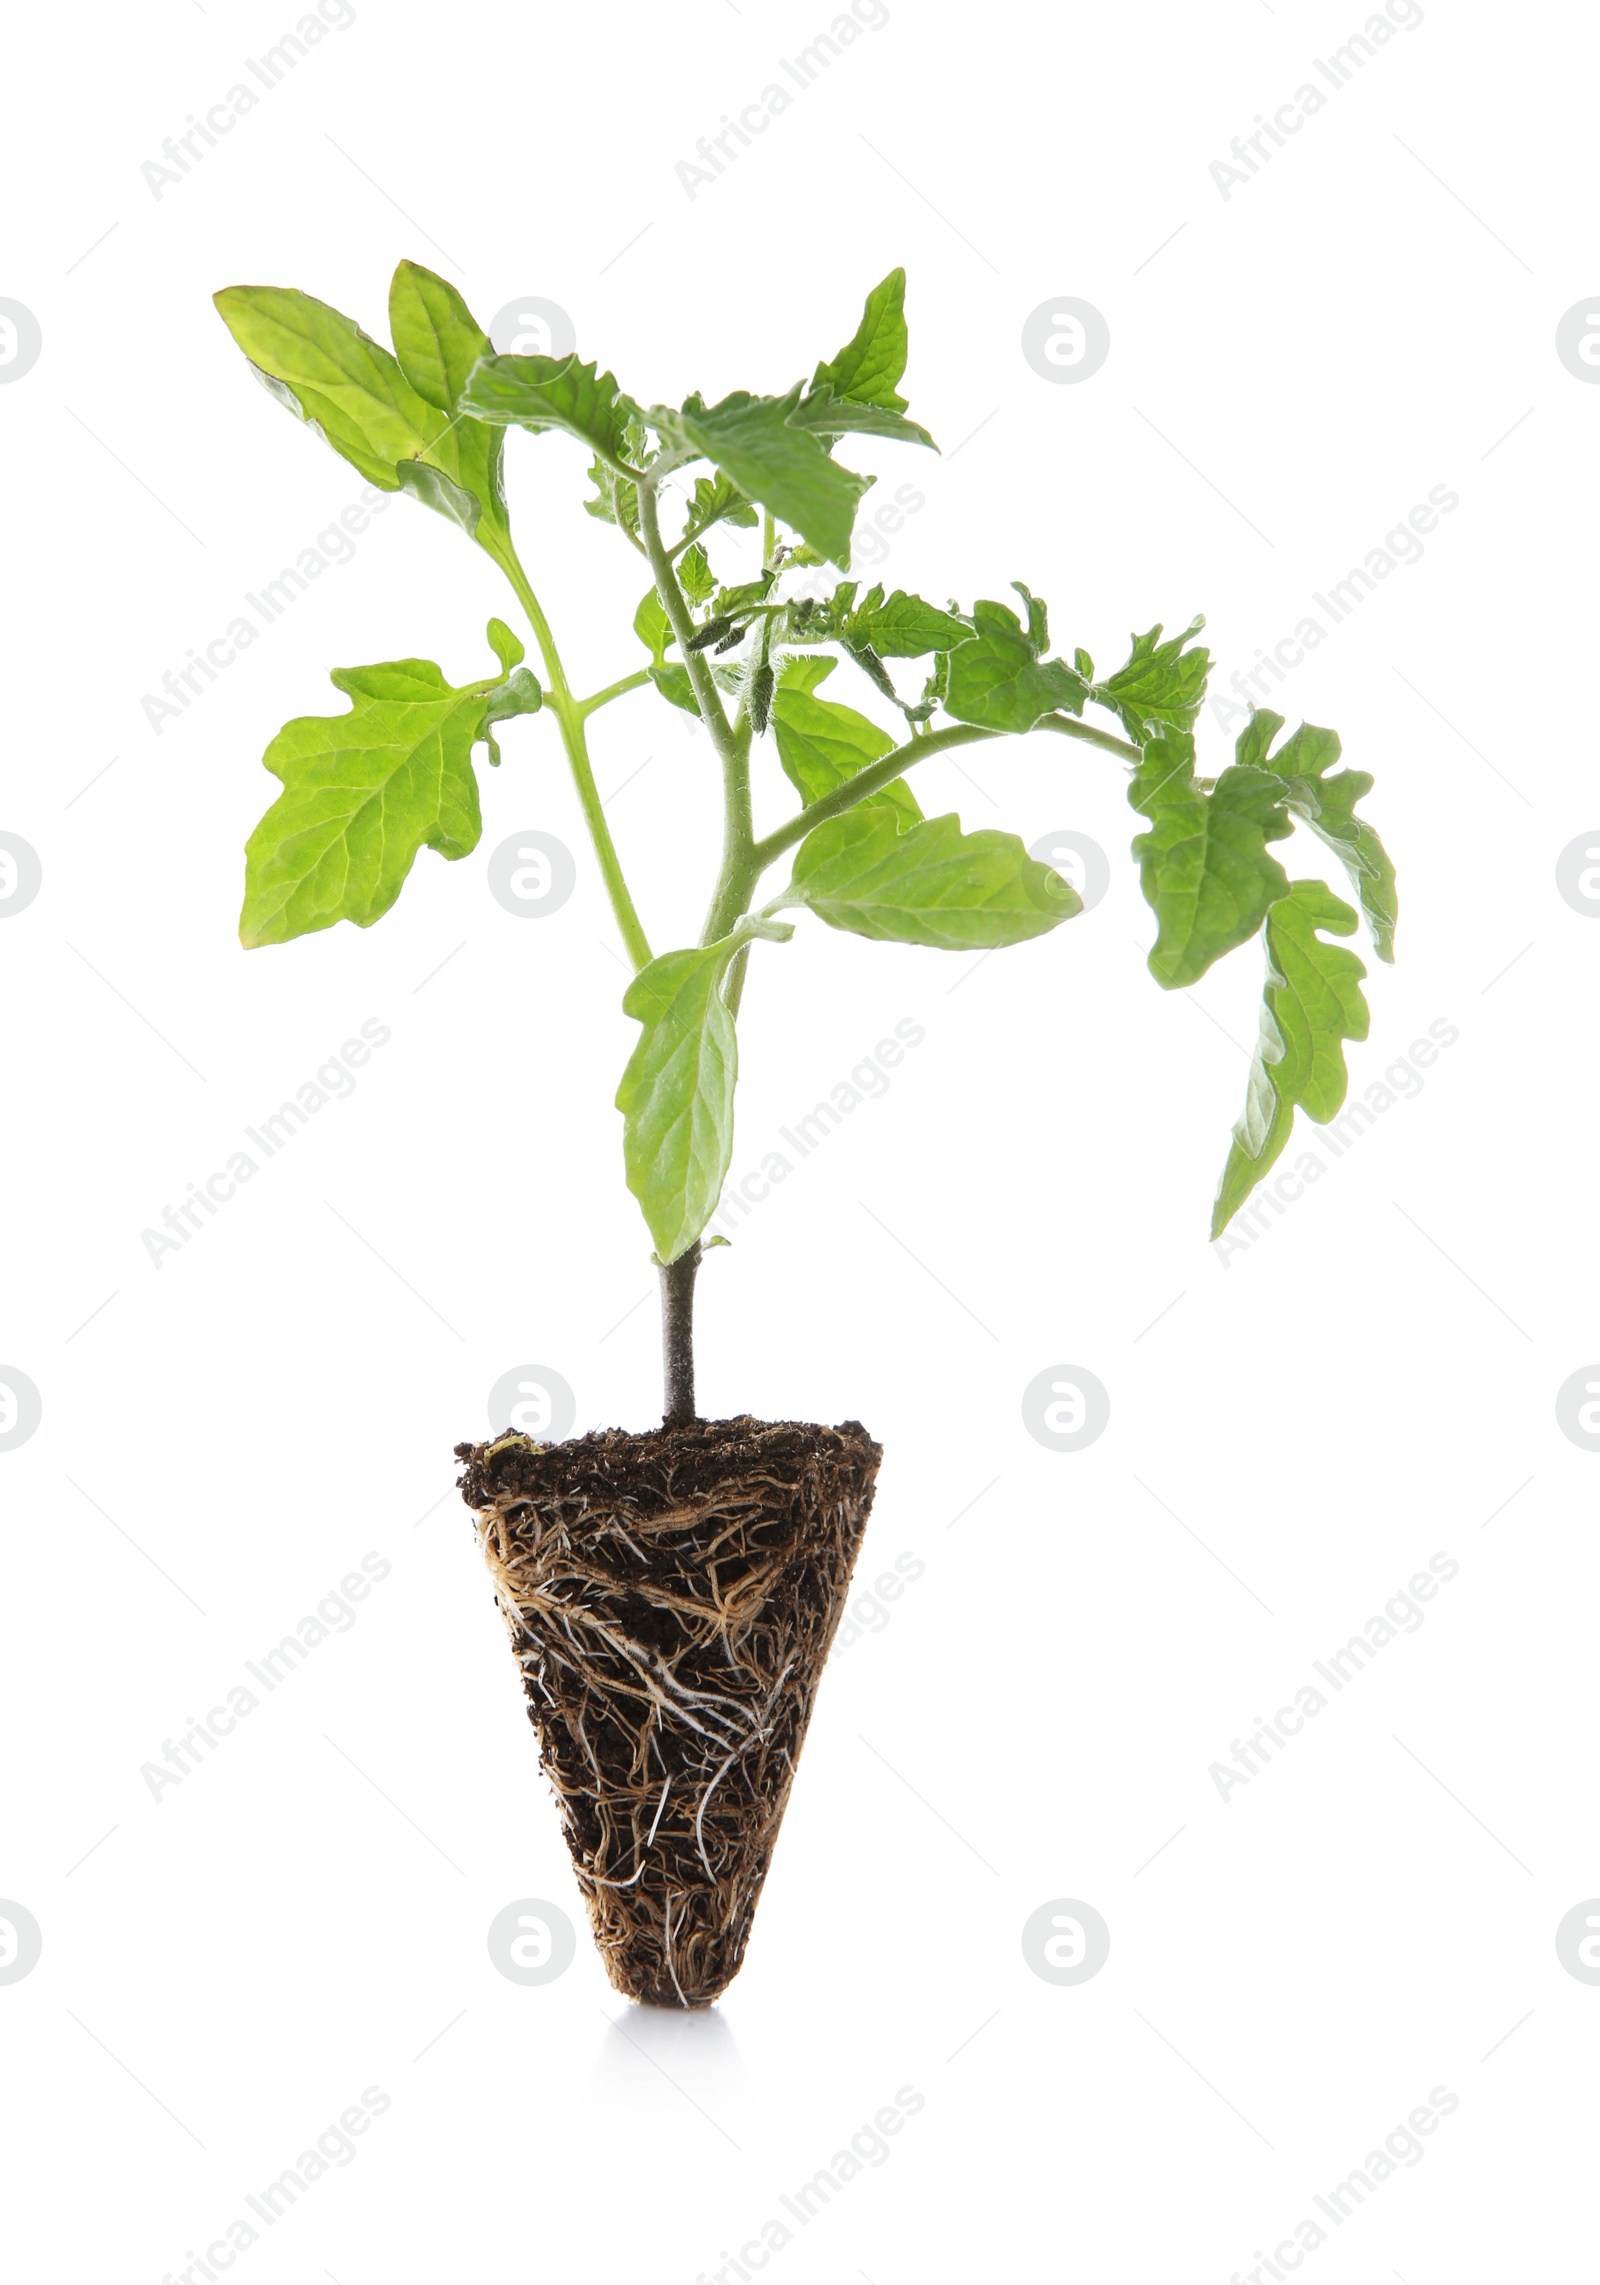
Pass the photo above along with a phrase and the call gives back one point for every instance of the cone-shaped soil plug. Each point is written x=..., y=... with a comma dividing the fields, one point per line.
x=671, y=1599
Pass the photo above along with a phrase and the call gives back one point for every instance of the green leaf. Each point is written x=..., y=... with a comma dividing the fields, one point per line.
x=518, y=694
x=932, y=884
x=822, y=745
x=870, y=365
x=554, y=392
x=1161, y=685
x=363, y=792
x=676, y=1096
x=507, y=647
x=675, y=687
x=1312, y=1004
x=355, y=395
x=901, y=627
x=1327, y=805
x=803, y=670
x=616, y=501
x=716, y=501
x=997, y=678
x=750, y=439
x=437, y=341
x=1204, y=865
x=324, y=368
x=825, y=414
x=695, y=575
x=652, y=626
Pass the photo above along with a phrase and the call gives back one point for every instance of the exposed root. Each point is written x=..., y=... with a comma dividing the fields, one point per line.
x=671, y=1599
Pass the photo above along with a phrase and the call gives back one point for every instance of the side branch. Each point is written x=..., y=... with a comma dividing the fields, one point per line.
x=878, y=774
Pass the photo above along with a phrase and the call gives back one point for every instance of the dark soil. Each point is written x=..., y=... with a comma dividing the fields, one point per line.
x=671, y=1598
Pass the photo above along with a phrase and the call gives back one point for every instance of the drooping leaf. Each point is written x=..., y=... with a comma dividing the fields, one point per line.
x=868, y=368
x=676, y=1096
x=362, y=793
x=1161, y=685
x=1327, y=805
x=554, y=392
x=825, y=414
x=822, y=745
x=784, y=468
x=997, y=678
x=930, y=884
x=616, y=501
x=1204, y=864
x=1312, y=1004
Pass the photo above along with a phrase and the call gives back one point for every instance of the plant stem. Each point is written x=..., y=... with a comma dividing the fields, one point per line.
x=569, y=713
x=695, y=662
x=878, y=774
x=677, y=1335
x=588, y=706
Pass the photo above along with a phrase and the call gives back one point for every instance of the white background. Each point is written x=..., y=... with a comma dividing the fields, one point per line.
x=1293, y=1432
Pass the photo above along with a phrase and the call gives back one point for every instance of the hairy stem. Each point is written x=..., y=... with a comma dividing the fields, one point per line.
x=677, y=1335
x=697, y=666
x=569, y=713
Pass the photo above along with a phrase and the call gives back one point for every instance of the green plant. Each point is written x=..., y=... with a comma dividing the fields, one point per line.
x=363, y=791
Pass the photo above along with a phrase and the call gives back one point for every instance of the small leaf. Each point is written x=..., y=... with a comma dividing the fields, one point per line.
x=506, y=646
x=785, y=469
x=1038, y=619
x=870, y=365
x=676, y=1096
x=1327, y=805
x=932, y=884
x=1312, y=1004
x=716, y=501
x=363, y=792
x=1161, y=685
x=652, y=626
x=1204, y=865
x=997, y=678
x=823, y=745
x=518, y=694
x=903, y=627
x=553, y=392
x=674, y=685
x=695, y=575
